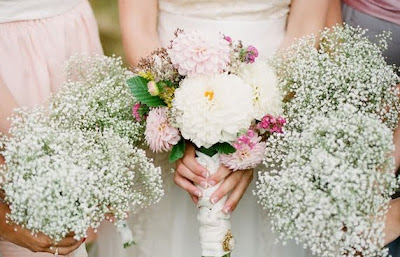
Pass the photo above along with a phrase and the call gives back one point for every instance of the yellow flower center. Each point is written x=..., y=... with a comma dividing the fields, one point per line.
x=162, y=127
x=200, y=49
x=209, y=95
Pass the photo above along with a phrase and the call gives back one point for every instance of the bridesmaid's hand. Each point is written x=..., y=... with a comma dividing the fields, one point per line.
x=35, y=243
x=237, y=183
x=392, y=226
x=189, y=172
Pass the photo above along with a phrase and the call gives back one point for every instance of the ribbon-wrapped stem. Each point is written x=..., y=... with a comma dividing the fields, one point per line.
x=215, y=227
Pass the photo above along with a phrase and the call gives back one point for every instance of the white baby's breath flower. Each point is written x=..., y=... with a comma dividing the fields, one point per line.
x=334, y=182
x=329, y=177
x=213, y=109
x=70, y=165
x=97, y=97
x=347, y=68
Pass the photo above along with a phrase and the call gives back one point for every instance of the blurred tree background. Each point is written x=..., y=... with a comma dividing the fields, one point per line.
x=106, y=12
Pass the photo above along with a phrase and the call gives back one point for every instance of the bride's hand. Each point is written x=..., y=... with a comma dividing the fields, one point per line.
x=190, y=172
x=236, y=182
x=35, y=243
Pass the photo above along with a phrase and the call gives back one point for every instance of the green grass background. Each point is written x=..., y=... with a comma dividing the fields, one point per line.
x=106, y=12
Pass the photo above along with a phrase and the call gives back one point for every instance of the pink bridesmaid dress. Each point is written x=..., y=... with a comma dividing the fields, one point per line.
x=37, y=37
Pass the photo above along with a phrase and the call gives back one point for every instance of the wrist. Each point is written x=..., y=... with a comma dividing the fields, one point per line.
x=5, y=227
x=392, y=229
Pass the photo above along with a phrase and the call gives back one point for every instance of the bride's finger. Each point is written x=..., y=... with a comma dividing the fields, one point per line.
x=189, y=160
x=66, y=242
x=188, y=174
x=238, y=192
x=221, y=174
x=195, y=199
x=226, y=186
x=186, y=185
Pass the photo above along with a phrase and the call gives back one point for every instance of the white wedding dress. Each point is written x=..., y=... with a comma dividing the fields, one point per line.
x=170, y=229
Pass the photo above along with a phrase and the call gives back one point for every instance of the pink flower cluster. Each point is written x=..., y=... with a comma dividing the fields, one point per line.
x=272, y=124
x=250, y=55
x=249, y=152
x=192, y=54
x=229, y=39
x=135, y=112
x=160, y=136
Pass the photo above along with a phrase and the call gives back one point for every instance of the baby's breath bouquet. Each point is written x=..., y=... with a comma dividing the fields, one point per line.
x=330, y=175
x=211, y=91
x=71, y=165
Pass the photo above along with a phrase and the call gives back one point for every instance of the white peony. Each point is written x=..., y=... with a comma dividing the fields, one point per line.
x=267, y=98
x=212, y=109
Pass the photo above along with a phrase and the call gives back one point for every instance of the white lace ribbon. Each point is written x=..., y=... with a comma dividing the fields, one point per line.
x=214, y=224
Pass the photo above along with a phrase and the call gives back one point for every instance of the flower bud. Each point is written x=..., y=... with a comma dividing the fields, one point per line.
x=153, y=88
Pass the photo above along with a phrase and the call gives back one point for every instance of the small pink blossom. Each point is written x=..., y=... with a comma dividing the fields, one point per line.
x=153, y=88
x=228, y=38
x=193, y=53
x=249, y=152
x=250, y=54
x=272, y=124
x=160, y=136
x=135, y=112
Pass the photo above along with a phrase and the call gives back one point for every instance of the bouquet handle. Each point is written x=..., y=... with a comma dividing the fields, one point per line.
x=215, y=227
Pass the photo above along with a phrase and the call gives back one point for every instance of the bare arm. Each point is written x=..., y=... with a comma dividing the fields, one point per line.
x=304, y=20
x=138, y=19
x=334, y=15
x=392, y=227
x=396, y=141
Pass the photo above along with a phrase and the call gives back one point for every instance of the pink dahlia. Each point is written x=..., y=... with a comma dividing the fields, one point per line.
x=249, y=152
x=192, y=54
x=160, y=136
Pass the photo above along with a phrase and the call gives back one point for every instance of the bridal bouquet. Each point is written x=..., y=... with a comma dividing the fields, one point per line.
x=210, y=91
x=74, y=164
x=330, y=174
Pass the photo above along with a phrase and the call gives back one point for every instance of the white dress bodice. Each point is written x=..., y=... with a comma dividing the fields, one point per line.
x=227, y=9
x=20, y=10
x=261, y=23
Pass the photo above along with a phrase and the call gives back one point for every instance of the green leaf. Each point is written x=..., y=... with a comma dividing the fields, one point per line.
x=177, y=151
x=163, y=84
x=138, y=87
x=222, y=148
x=143, y=110
x=208, y=151
x=225, y=148
x=129, y=244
